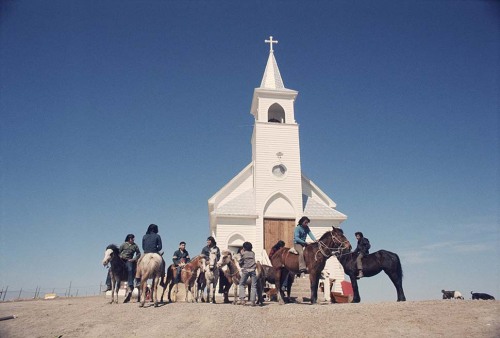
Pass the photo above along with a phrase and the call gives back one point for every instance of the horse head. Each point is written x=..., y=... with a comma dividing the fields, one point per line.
x=110, y=252
x=335, y=242
x=226, y=258
x=200, y=262
x=212, y=259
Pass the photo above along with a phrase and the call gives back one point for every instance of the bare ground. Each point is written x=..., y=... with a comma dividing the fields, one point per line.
x=94, y=317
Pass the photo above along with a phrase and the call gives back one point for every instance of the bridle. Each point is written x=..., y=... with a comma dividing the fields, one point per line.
x=221, y=265
x=335, y=251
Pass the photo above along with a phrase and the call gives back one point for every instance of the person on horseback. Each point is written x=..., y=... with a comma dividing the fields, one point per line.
x=180, y=259
x=276, y=247
x=211, y=244
x=127, y=251
x=299, y=242
x=151, y=243
x=362, y=250
x=248, y=266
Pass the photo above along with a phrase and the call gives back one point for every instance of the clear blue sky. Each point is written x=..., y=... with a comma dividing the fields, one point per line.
x=118, y=114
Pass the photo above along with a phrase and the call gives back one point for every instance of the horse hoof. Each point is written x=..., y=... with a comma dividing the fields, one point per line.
x=141, y=305
x=156, y=304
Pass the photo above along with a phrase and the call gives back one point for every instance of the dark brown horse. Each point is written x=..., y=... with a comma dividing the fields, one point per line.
x=118, y=270
x=271, y=278
x=381, y=260
x=332, y=243
x=188, y=278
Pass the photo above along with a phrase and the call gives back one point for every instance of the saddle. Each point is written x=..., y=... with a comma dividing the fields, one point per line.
x=293, y=251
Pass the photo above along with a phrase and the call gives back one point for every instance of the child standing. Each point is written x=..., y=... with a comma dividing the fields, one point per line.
x=248, y=265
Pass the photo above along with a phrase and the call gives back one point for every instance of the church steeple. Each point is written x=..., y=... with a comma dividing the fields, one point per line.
x=272, y=102
x=272, y=77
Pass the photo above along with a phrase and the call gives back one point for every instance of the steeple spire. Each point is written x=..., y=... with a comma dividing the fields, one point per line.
x=272, y=77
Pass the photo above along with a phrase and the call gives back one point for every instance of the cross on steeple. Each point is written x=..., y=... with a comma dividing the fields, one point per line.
x=270, y=42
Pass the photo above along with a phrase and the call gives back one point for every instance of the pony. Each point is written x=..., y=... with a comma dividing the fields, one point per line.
x=332, y=243
x=118, y=270
x=270, y=277
x=188, y=277
x=150, y=267
x=372, y=264
x=211, y=275
x=233, y=275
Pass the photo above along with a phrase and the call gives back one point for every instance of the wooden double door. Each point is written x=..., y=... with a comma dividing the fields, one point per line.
x=276, y=229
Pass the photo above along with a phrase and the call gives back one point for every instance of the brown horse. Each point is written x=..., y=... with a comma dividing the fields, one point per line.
x=188, y=277
x=332, y=243
x=150, y=267
x=233, y=275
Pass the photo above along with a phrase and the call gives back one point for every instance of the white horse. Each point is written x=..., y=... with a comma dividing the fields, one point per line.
x=150, y=267
x=211, y=272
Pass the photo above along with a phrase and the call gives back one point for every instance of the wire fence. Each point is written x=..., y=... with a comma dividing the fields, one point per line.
x=9, y=294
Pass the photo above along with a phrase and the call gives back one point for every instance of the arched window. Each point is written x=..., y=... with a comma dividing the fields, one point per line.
x=276, y=114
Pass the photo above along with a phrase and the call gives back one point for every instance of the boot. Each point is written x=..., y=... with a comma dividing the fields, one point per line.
x=360, y=274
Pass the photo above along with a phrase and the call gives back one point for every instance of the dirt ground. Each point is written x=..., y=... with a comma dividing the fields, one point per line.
x=94, y=317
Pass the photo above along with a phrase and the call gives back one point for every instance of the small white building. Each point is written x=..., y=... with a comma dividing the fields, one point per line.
x=263, y=203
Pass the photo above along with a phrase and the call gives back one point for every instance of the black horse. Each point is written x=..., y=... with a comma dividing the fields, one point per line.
x=118, y=272
x=372, y=264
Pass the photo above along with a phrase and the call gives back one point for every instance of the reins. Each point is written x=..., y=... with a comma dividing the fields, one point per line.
x=322, y=247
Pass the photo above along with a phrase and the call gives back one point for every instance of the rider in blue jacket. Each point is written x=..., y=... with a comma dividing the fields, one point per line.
x=299, y=241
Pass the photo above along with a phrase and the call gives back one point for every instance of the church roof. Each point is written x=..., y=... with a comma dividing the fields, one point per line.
x=272, y=77
x=314, y=208
x=241, y=205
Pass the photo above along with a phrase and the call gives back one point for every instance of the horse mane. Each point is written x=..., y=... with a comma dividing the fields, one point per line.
x=112, y=247
x=329, y=231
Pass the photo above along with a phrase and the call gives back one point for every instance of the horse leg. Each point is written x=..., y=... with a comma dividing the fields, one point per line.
x=214, y=285
x=289, y=285
x=235, y=293
x=397, y=280
x=142, y=287
x=314, y=279
x=354, y=282
x=154, y=285
x=281, y=294
x=113, y=287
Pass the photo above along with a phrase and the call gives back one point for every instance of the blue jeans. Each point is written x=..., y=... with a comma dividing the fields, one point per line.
x=131, y=273
x=243, y=282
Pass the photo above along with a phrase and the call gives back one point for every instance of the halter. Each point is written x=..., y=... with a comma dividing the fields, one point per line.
x=229, y=268
x=322, y=247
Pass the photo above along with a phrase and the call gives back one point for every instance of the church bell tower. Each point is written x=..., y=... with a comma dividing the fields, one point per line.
x=275, y=146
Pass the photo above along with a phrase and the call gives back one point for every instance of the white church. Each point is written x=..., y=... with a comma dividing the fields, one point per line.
x=263, y=203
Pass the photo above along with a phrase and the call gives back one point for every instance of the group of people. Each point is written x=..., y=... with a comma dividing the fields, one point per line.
x=151, y=243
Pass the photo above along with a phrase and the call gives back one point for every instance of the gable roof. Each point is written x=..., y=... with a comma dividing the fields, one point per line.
x=241, y=205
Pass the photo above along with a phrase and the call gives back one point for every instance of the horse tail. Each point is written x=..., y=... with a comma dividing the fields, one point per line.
x=399, y=268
